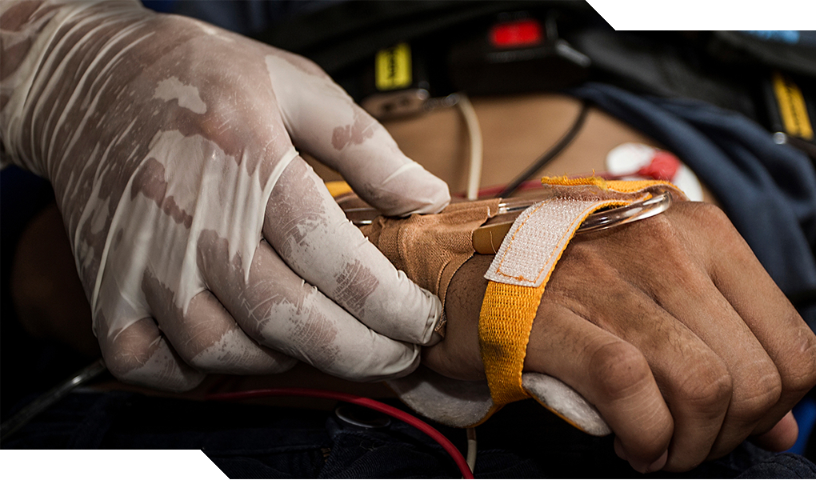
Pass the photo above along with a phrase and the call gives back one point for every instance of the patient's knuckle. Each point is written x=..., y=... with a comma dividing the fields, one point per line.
x=712, y=213
x=798, y=370
x=702, y=213
x=618, y=367
x=761, y=391
x=658, y=231
x=705, y=384
x=661, y=226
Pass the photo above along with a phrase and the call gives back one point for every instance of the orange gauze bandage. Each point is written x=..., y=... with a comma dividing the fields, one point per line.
x=523, y=265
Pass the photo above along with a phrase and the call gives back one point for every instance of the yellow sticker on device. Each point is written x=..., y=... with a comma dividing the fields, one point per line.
x=392, y=67
x=792, y=107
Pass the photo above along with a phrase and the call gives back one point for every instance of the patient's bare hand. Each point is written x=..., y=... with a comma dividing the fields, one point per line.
x=670, y=327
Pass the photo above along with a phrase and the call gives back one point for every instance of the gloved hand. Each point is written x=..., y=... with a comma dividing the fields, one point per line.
x=669, y=326
x=203, y=241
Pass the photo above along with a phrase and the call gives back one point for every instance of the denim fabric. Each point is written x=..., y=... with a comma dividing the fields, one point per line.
x=255, y=441
x=786, y=465
x=245, y=17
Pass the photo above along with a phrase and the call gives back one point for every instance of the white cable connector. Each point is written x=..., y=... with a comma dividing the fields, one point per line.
x=471, y=448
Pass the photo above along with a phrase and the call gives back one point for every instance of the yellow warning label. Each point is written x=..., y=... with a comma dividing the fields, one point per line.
x=392, y=67
x=792, y=107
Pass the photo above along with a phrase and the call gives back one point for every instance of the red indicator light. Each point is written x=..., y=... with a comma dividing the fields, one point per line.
x=520, y=33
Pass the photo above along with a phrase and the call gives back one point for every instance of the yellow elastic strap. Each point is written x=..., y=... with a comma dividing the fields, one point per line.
x=622, y=186
x=508, y=311
x=505, y=322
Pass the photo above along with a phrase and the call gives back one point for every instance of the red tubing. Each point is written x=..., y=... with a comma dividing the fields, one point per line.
x=362, y=401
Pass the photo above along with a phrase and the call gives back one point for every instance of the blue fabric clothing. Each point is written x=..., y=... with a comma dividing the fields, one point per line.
x=245, y=17
x=767, y=190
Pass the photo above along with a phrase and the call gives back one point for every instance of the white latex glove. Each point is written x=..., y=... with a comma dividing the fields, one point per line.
x=204, y=242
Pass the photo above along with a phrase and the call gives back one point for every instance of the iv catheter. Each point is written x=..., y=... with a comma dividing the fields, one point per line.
x=488, y=238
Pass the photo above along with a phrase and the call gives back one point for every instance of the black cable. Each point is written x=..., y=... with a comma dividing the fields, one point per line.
x=550, y=154
x=46, y=400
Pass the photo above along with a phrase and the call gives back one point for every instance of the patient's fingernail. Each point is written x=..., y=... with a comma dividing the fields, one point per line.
x=619, y=451
x=653, y=467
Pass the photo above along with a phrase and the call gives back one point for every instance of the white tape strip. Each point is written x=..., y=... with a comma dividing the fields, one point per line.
x=533, y=244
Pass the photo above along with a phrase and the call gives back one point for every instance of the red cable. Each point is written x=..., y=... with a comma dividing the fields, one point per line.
x=362, y=401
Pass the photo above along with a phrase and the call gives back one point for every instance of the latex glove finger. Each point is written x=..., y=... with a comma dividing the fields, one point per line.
x=610, y=373
x=323, y=120
x=312, y=235
x=139, y=354
x=207, y=337
x=278, y=309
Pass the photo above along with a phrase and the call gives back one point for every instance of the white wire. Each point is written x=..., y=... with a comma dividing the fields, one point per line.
x=474, y=179
x=471, y=449
x=475, y=135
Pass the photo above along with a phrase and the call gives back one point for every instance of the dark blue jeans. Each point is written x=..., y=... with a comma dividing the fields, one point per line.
x=255, y=441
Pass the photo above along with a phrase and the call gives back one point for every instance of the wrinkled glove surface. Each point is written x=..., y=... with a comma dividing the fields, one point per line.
x=203, y=241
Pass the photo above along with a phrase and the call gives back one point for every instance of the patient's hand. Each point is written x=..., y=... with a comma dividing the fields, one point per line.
x=670, y=327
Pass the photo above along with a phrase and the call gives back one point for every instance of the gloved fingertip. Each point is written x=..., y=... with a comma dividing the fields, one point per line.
x=409, y=191
x=435, y=313
x=433, y=203
x=396, y=368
